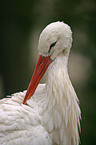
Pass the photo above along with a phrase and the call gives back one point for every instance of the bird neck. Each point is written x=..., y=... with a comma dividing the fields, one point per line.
x=57, y=77
x=62, y=108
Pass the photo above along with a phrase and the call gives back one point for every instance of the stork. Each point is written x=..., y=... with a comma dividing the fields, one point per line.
x=45, y=114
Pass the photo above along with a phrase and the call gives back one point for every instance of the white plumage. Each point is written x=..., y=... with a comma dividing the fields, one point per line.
x=51, y=116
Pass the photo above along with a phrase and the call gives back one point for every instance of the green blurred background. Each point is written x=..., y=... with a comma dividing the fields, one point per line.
x=21, y=22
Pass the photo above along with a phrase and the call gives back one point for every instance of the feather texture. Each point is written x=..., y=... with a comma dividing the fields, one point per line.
x=51, y=116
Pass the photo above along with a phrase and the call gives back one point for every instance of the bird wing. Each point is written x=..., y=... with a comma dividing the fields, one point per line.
x=21, y=124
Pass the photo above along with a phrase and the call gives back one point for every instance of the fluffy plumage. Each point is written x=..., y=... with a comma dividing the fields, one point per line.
x=51, y=116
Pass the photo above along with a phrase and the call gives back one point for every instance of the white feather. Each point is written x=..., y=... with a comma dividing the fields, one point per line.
x=52, y=114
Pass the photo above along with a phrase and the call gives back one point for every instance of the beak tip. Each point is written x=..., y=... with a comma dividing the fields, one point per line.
x=24, y=102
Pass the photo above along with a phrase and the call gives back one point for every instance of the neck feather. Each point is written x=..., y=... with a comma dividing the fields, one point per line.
x=63, y=112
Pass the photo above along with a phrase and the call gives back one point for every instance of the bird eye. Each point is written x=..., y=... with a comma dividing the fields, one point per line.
x=52, y=45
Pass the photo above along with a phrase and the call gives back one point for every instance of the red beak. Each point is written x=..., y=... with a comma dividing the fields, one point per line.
x=41, y=67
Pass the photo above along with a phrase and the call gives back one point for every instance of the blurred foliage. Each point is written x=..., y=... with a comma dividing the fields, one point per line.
x=19, y=18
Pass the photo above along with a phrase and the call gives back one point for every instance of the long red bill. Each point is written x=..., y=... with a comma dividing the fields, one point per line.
x=41, y=67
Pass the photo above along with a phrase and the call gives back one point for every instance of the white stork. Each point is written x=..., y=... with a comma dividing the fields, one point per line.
x=49, y=114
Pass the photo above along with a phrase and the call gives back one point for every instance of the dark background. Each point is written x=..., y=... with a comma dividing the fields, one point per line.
x=21, y=22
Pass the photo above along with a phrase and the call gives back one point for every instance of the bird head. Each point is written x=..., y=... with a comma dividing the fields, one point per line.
x=56, y=38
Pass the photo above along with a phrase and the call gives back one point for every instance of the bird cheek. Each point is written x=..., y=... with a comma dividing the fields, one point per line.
x=53, y=55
